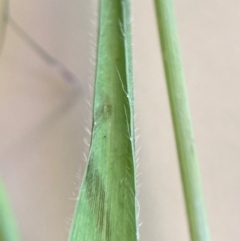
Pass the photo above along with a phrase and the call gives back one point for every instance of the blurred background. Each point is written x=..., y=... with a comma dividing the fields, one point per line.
x=43, y=118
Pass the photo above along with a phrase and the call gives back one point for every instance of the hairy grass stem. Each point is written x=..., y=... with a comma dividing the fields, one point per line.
x=106, y=208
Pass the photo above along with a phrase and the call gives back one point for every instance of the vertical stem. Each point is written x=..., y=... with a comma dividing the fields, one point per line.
x=182, y=122
x=8, y=229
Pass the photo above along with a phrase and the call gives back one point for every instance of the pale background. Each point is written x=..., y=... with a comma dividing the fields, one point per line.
x=42, y=140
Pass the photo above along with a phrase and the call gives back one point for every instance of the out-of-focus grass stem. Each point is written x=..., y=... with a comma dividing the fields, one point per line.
x=8, y=228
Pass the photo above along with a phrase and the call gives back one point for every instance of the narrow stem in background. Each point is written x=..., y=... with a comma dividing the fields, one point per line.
x=66, y=74
x=182, y=122
x=4, y=7
x=8, y=228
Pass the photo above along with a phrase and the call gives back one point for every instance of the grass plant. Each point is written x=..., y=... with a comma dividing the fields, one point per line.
x=106, y=208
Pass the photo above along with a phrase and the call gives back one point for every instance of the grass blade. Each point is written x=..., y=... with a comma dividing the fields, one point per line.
x=182, y=122
x=8, y=229
x=106, y=207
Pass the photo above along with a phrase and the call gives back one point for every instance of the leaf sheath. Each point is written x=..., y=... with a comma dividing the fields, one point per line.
x=106, y=207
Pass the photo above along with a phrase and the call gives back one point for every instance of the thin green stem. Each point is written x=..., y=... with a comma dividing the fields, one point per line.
x=182, y=122
x=8, y=229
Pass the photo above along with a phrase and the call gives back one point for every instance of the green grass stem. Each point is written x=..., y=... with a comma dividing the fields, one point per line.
x=182, y=122
x=106, y=207
x=8, y=229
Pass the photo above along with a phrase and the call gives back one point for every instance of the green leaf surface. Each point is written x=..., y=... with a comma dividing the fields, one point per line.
x=182, y=122
x=106, y=208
